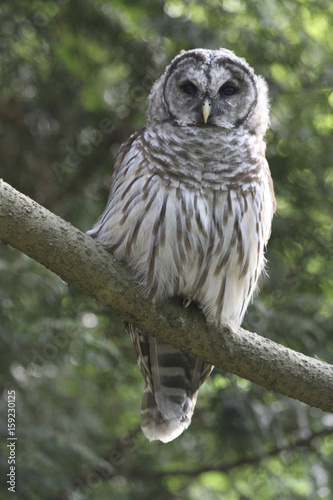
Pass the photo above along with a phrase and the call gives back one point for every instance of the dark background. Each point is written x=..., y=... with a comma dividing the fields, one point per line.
x=74, y=78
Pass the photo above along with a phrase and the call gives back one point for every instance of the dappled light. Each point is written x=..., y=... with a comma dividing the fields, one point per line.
x=75, y=77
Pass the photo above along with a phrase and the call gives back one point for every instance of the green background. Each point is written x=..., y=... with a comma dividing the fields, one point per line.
x=74, y=78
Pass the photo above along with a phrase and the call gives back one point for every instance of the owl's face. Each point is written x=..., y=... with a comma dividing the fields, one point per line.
x=210, y=88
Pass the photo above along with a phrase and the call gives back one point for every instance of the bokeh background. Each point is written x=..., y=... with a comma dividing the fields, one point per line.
x=74, y=78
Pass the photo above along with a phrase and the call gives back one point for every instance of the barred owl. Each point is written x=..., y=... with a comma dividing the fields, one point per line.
x=190, y=210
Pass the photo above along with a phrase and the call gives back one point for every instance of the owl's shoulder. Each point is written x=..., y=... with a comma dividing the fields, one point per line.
x=126, y=147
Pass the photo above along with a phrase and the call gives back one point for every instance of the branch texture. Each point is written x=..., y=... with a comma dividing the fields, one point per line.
x=84, y=263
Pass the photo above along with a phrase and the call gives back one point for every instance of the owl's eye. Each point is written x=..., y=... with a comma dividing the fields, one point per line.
x=228, y=89
x=189, y=88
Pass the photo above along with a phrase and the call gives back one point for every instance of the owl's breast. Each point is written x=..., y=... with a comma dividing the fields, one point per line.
x=202, y=158
x=187, y=227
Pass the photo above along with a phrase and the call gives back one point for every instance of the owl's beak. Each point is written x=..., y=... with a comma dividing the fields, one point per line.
x=206, y=109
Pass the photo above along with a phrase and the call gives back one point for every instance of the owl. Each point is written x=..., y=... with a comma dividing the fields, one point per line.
x=190, y=210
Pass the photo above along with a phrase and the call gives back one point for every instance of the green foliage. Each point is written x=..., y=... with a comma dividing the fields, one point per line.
x=75, y=78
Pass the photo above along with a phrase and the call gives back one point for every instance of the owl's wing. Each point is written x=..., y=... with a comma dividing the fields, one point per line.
x=173, y=378
x=116, y=181
x=141, y=348
x=124, y=149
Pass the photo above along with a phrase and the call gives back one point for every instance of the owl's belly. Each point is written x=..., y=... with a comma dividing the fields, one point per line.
x=204, y=245
x=212, y=253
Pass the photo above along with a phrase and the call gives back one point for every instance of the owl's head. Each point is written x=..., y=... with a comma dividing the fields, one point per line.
x=210, y=88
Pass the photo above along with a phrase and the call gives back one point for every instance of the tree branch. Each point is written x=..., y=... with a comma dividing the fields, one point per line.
x=113, y=463
x=295, y=444
x=84, y=263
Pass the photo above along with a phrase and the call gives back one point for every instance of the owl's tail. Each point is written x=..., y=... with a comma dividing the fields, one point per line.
x=171, y=392
x=164, y=426
x=173, y=378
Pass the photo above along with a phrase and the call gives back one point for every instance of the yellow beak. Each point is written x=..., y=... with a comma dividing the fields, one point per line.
x=206, y=109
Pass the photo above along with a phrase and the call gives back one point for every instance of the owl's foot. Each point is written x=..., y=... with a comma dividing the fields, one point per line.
x=186, y=302
x=210, y=320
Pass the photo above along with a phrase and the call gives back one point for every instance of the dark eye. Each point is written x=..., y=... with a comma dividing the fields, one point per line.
x=189, y=88
x=228, y=89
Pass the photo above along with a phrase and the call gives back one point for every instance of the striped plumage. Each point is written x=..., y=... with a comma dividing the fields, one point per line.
x=190, y=210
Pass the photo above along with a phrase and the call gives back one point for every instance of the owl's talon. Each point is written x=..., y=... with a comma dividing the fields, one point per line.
x=186, y=302
x=210, y=321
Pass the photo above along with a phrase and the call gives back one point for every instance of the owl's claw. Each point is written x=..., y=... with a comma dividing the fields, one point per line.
x=210, y=321
x=186, y=302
